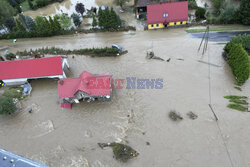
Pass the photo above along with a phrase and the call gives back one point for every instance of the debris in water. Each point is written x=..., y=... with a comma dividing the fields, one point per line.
x=180, y=59
x=151, y=55
x=175, y=116
x=121, y=152
x=192, y=115
x=238, y=88
x=147, y=143
x=168, y=60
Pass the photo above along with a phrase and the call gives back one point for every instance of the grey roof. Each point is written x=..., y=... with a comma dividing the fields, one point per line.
x=144, y=3
x=8, y=159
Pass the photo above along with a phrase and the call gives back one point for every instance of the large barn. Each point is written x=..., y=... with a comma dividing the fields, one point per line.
x=167, y=14
x=19, y=71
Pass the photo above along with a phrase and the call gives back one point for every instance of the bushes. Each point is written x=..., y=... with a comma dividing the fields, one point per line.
x=192, y=4
x=244, y=12
x=200, y=13
x=228, y=16
x=239, y=62
x=241, y=39
x=6, y=105
x=88, y=51
x=10, y=56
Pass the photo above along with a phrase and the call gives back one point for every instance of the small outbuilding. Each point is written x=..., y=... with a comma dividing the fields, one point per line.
x=18, y=72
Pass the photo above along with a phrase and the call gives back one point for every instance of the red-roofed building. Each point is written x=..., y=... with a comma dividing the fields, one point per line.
x=167, y=14
x=87, y=86
x=19, y=71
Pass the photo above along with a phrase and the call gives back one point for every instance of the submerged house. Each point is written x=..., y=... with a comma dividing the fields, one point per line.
x=167, y=14
x=87, y=86
x=8, y=159
x=19, y=71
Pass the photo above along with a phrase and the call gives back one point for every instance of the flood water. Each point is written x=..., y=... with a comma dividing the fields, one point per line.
x=68, y=138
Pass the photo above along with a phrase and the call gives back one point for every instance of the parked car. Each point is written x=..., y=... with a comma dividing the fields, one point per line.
x=118, y=47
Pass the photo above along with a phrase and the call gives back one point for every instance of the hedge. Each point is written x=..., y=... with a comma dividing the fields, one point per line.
x=238, y=60
x=6, y=105
x=241, y=39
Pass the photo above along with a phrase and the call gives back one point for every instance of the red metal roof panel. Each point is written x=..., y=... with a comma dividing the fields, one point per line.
x=177, y=11
x=31, y=68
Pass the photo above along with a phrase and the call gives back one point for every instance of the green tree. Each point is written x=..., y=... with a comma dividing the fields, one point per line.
x=20, y=28
x=10, y=23
x=200, y=13
x=101, y=18
x=76, y=19
x=57, y=25
x=65, y=21
x=244, y=12
x=217, y=6
x=30, y=4
x=94, y=23
x=30, y=23
x=121, y=3
x=6, y=105
x=22, y=20
x=6, y=11
x=228, y=16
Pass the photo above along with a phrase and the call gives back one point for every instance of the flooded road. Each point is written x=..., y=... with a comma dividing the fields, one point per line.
x=68, y=138
x=220, y=36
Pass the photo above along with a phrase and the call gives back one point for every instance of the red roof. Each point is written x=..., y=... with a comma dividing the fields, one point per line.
x=91, y=84
x=31, y=68
x=176, y=11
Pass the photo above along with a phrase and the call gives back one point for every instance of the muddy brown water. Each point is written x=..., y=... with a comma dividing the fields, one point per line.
x=68, y=138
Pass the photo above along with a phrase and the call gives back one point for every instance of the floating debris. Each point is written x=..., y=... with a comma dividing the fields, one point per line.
x=175, y=116
x=238, y=103
x=151, y=55
x=192, y=115
x=147, y=143
x=238, y=88
x=121, y=152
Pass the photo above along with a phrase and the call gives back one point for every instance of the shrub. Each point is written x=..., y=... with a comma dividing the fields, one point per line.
x=6, y=105
x=200, y=13
x=14, y=93
x=228, y=16
x=192, y=4
x=10, y=56
x=76, y=19
x=239, y=62
x=241, y=39
x=244, y=12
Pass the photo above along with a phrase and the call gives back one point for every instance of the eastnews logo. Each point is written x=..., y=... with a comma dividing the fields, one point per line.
x=131, y=83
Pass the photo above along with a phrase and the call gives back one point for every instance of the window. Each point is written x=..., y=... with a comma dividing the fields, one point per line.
x=181, y=22
x=157, y=25
x=165, y=14
x=152, y=25
x=175, y=23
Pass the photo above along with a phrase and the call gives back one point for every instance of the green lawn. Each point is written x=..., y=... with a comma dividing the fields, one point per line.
x=220, y=28
x=25, y=6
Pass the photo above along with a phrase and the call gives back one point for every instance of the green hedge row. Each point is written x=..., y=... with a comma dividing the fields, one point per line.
x=241, y=39
x=58, y=51
x=239, y=62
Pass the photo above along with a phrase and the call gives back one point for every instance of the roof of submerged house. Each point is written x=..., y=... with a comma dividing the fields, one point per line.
x=144, y=3
x=31, y=68
x=176, y=11
x=8, y=159
x=91, y=84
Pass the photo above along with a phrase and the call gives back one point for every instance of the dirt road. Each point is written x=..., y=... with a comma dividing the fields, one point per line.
x=68, y=138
